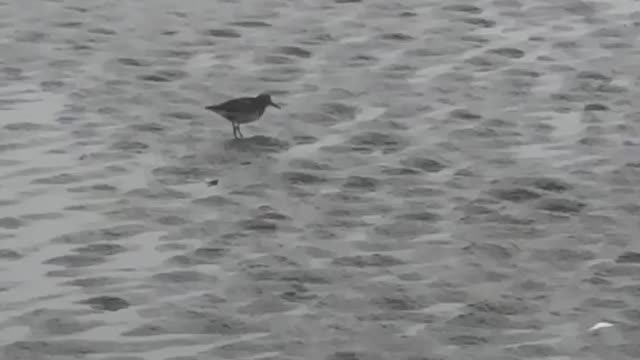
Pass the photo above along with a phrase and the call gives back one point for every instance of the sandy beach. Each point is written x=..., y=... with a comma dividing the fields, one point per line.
x=452, y=180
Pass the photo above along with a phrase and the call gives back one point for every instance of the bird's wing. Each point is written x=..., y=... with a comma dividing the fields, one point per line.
x=234, y=105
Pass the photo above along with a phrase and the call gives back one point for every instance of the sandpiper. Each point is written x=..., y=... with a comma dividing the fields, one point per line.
x=242, y=110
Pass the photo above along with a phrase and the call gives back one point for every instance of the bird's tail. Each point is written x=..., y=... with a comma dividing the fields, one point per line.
x=211, y=107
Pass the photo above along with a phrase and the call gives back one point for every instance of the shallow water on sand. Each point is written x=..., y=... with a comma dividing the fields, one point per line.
x=446, y=180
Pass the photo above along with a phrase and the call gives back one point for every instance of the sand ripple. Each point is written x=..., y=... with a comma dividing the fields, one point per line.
x=450, y=180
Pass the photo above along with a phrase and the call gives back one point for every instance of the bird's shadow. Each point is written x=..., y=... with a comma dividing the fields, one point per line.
x=257, y=143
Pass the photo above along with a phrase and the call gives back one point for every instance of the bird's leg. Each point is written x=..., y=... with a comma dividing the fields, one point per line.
x=234, y=130
x=240, y=132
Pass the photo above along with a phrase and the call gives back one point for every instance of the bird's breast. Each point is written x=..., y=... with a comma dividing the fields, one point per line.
x=244, y=118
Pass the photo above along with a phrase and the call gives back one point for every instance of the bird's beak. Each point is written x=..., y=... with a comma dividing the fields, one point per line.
x=274, y=105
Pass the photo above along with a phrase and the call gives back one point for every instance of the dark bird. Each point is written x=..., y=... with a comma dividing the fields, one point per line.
x=242, y=110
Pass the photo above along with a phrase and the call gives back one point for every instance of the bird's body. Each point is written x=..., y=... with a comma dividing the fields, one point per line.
x=242, y=110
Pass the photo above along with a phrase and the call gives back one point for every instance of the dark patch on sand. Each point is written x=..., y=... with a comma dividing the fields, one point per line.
x=75, y=260
x=181, y=276
x=561, y=205
x=371, y=141
x=515, y=194
x=353, y=355
x=294, y=51
x=101, y=249
x=368, y=260
x=8, y=254
x=95, y=236
x=108, y=303
x=223, y=33
x=424, y=164
x=10, y=223
x=251, y=24
x=301, y=178
x=447, y=181
x=629, y=257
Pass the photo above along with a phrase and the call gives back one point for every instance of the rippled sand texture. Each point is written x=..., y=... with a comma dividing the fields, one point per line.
x=446, y=180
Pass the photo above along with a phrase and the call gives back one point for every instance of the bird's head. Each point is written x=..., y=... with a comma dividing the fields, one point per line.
x=265, y=99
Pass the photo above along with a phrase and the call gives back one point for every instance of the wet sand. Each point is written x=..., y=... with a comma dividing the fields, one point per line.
x=446, y=180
